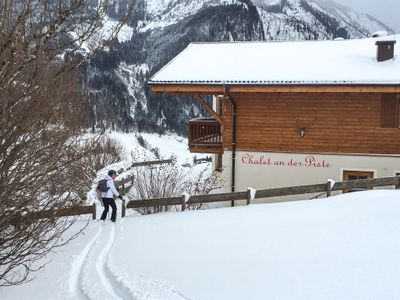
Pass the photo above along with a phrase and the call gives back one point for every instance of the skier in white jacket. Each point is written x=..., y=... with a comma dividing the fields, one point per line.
x=108, y=197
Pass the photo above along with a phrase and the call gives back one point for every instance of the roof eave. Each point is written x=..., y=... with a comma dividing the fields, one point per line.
x=213, y=89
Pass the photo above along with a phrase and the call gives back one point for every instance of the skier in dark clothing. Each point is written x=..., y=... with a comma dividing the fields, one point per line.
x=108, y=197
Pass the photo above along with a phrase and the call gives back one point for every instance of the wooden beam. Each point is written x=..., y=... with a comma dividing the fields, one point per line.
x=204, y=149
x=154, y=202
x=187, y=89
x=208, y=108
x=219, y=89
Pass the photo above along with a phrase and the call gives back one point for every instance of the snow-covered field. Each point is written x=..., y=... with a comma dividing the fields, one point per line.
x=343, y=247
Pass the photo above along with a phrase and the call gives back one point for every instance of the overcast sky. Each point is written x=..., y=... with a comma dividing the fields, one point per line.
x=387, y=11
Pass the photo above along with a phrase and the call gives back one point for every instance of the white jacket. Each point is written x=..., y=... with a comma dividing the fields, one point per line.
x=112, y=191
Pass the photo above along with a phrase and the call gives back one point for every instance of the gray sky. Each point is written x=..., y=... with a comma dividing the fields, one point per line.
x=386, y=11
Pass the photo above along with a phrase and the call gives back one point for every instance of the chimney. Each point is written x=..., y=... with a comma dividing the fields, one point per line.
x=380, y=33
x=385, y=50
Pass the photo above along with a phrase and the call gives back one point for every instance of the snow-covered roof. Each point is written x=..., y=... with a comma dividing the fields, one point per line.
x=275, y=63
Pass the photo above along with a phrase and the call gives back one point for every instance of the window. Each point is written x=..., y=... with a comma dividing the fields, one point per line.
x=390, y=111
x=355, y=175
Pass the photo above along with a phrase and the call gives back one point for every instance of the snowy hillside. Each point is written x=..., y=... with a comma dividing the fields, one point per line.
x=162, y=13
x=344, y=13
x=167, y=145
x=319, y=19
x=343, y=247
x=152, y=147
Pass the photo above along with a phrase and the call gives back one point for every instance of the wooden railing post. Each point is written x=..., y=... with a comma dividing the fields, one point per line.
x=251, y=193
x=94, y=211
x=123, y=209
x=369, y=185
x=184, y=199
x=328, y=188
x=183, y=202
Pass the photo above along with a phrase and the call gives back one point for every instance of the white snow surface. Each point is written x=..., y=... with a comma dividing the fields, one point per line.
x=168, y=145
x=305, y=62
x=343, y=247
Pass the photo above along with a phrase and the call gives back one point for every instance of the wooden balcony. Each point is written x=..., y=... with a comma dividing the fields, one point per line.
x=205, y=136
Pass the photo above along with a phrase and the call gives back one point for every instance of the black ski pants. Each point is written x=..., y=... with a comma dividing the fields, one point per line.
x=109, y=202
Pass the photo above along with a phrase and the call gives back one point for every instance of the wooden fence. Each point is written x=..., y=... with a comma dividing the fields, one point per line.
x=325, y=188
x=185, y=200
x=16, y=218
x=33, y=216
x=125, y=184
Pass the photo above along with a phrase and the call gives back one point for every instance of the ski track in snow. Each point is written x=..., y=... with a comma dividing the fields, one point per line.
x=76, y=270
x=89, y=277
x=101, y=264
x=117, y=284
x=93, y=277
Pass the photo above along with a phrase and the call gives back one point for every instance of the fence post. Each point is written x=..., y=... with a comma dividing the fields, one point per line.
x=185, y=197
x=398, y=183
x=251, y=194
x=369, y=186
x=328, y=188
x=123, y=209
x=94, y=211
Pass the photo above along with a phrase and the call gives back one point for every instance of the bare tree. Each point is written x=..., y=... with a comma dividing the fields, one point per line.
x=169, y=180
x=42, y=145
x=105, y=152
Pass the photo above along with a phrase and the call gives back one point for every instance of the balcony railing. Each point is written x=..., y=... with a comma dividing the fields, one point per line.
x=205, y=136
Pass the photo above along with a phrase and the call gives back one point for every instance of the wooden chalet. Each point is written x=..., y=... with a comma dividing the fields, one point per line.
x=290, y=113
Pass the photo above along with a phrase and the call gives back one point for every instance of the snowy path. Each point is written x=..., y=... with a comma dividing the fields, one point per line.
x=76, y=270
x=90, y=277
x=94, y=276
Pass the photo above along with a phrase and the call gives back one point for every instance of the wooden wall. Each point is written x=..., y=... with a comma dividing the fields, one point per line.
x=334, y=123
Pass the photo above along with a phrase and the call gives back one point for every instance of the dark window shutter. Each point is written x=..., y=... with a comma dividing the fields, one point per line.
x=389, y=111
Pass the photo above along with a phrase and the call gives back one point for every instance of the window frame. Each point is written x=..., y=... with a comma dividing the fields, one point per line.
x=347, y=173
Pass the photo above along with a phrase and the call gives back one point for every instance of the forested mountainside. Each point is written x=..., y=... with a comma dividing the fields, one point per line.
x=160, y=29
